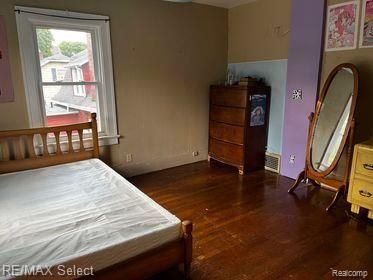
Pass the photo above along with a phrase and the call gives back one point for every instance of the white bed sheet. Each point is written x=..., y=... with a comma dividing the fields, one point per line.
x=78, y=213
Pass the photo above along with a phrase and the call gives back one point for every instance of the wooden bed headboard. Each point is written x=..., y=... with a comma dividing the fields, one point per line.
x=18, y=152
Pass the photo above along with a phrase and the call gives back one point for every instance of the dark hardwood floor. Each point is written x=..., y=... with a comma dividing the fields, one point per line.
x=250, y=228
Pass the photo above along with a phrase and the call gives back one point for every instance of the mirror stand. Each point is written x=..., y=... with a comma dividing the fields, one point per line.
x=308, y=175
x=331, y=133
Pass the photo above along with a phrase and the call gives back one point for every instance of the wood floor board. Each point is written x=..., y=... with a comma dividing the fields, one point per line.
x=250, y=228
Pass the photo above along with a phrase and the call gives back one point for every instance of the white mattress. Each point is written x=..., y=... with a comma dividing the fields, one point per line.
x=83, y=213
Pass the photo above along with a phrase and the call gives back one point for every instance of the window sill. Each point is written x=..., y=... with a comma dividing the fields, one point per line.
x=107, y=140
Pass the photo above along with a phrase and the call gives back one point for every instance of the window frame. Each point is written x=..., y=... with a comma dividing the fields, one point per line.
x=28, y=19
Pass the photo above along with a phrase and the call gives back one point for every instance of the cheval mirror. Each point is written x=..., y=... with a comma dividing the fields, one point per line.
x=331, y=132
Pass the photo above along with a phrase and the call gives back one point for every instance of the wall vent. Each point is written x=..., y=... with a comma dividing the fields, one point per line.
x=272, y=162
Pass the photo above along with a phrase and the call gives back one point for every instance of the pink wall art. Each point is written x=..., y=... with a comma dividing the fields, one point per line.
x=366, y=32
x=6, y=85
x=342, y=26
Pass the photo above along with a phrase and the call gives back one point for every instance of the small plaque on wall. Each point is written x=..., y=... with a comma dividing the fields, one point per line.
x=6, y=85
x=258, y=110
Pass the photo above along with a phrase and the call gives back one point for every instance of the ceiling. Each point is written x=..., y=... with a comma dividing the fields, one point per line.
x=224, y=3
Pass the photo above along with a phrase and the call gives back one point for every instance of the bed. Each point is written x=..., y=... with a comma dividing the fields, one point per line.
x=63, y=209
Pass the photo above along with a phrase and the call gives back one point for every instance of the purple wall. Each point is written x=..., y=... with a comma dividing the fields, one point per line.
x=303, y=73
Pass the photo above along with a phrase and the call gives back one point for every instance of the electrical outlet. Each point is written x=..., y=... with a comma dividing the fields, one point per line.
x=297, y=94
x=129, y=158
x=292, y=159
x=195, y=153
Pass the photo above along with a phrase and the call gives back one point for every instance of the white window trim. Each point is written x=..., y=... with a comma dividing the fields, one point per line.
x=100, y=30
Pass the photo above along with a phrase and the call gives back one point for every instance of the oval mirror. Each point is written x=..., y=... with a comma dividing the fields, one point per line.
x=333, y=117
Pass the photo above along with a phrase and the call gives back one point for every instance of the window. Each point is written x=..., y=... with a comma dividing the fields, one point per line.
x=77, y=76
x=57, y=74
x=54, y=74
x=61, y=74
x=67, y=69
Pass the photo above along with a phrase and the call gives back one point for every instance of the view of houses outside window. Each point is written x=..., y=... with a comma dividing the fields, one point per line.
x=68, y=76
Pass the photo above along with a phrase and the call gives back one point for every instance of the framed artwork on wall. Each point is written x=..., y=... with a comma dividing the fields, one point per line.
x=342, y=26
x=366, y=28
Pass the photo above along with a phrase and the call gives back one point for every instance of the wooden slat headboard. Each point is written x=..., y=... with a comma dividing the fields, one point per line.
x=17, y=147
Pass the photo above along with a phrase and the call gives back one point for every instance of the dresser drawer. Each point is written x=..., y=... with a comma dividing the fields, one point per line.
x=364, y=162
x=227, y=132
x=229, y=97
x=226, y=152
x=362, y=190
x=227, y=115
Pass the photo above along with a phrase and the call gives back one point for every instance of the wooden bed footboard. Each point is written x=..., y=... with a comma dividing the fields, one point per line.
x=41, y=147
x=154, y=261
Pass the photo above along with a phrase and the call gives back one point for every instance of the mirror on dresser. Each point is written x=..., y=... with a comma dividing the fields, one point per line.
x=331, y=131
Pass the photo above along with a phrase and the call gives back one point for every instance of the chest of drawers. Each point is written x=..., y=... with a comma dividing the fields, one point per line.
x=238, y=125
x=360, y=192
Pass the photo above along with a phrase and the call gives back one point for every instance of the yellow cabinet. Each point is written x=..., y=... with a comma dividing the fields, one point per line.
x=360, y=193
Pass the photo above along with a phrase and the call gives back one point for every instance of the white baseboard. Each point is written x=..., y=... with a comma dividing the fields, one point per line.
x=160, y=163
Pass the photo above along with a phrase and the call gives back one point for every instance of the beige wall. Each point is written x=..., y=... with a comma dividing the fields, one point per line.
x=165, y=57
x=363, y=59
x=252, y=31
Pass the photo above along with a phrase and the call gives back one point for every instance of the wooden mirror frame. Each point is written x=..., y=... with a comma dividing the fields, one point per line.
x=319, y=178
x=318, y=111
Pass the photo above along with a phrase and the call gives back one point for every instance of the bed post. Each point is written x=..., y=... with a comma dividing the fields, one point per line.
x=96, y=152
x=187, y=227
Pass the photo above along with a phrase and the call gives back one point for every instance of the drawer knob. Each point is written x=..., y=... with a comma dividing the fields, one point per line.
x=368, y=166
x=365, y=193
